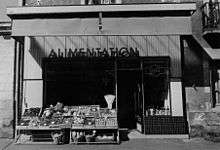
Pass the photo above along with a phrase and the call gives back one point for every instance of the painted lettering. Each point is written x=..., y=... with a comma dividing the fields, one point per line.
x=95, y=52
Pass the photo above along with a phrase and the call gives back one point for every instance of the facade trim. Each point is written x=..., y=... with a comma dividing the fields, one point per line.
x=100, y=8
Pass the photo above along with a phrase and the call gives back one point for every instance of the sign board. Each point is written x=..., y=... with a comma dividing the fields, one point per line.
x=95, y=52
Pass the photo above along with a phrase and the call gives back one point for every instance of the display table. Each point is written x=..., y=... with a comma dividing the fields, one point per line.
x=35, y=135
x=42, y=135
x=102, y=135
x=87, y=124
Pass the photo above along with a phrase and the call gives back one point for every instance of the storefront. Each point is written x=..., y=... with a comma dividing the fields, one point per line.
x=77, y=61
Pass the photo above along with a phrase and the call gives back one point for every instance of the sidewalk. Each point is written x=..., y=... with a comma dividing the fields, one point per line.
x=4, y=143
x=132, y=144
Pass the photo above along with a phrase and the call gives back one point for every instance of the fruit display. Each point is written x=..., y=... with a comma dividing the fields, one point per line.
x=31, y=112
x=67, y=116
x=82, y=124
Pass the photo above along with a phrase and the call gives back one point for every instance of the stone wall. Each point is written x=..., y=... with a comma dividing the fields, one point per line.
x=6, y=87
x=203, y=119
x=3, y=5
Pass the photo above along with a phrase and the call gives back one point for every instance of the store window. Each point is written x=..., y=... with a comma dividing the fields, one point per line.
x=74, y=82
x=156, y=88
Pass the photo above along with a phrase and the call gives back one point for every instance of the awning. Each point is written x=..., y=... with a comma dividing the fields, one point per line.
x=213, y=53
x=110, y=26
x=53, y=21
x=101, y=8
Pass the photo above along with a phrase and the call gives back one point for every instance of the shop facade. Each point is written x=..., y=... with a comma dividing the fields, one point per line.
x=126, y=51
x=139, y=75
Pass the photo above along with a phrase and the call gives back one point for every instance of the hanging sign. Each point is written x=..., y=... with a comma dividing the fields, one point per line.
x=94, y=52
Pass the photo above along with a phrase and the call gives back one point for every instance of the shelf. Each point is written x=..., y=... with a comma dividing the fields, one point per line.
x=35, y=128
x=48, y=128
x=100, y=142
x=95, y=128
x=30, y=142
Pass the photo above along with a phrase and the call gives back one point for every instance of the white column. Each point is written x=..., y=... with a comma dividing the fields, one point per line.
x=33, y=89
x=176, y=98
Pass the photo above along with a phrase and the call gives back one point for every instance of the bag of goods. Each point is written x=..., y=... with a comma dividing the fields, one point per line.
x=59, y=107
x=90, y=138
x=80, y=137
x=58, y=138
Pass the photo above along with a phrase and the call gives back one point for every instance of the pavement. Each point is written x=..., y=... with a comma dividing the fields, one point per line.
x=132, y=144
x=4, y=143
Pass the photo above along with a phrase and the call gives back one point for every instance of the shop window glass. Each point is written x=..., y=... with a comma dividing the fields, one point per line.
x=156, y=88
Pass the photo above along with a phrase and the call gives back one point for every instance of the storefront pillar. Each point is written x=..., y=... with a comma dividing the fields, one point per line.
x=18, y=79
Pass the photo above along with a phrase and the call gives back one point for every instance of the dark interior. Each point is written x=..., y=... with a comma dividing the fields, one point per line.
x=128, y=81
x=155, y=91
x=75, y=82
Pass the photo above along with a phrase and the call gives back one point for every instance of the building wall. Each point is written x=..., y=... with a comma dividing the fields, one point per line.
x=3, y=5
x=6, y=87
x=197, y=88
x=6, y=75
x=203, y=117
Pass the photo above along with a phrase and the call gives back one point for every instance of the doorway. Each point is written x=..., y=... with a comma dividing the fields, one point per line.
x=128, y=95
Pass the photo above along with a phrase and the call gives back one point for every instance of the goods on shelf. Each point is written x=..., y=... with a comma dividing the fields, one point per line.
x=100, y=122
x=31, y=112
x=58, y=138
x=66, y=116
x=78, y=136
x=83, y=136
x=24, y=122
x=158, y=111
x=82, y=121
x=105, y=138
x=111, y=122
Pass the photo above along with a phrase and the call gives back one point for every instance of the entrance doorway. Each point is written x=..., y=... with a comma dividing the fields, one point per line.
x=128, y=82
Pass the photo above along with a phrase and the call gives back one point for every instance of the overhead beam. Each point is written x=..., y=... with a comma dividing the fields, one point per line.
x=100, y=8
